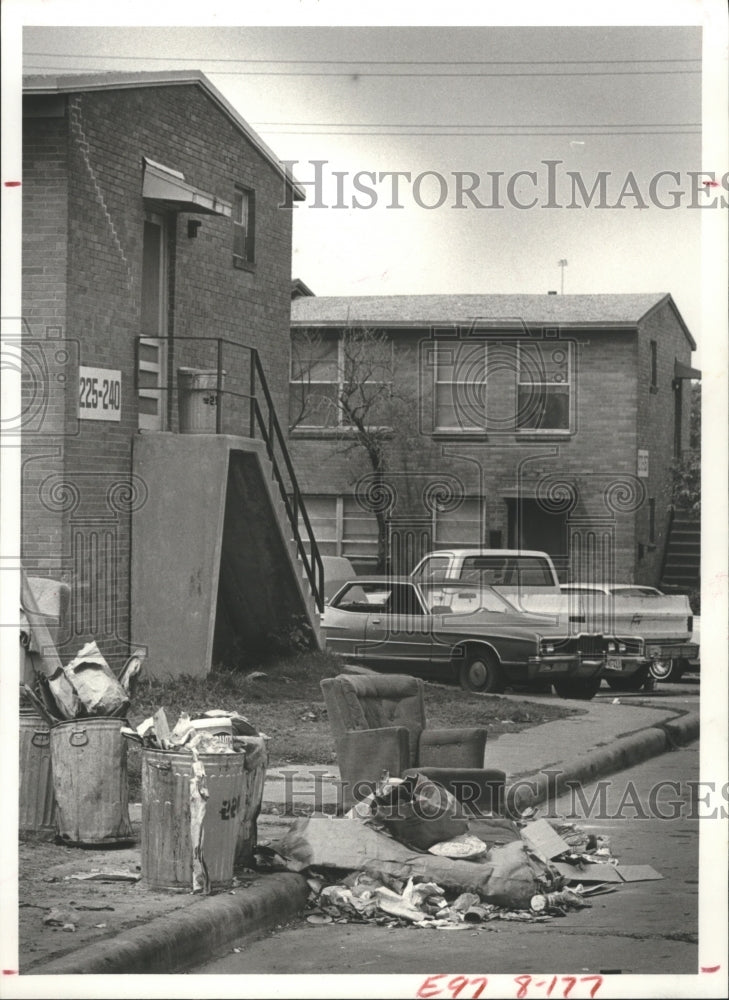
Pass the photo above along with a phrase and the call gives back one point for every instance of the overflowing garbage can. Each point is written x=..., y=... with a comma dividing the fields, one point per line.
x=191, y=816
x=197, y=400
x=202, y=786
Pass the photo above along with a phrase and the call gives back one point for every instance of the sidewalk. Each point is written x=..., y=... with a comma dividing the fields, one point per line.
x=121, y=927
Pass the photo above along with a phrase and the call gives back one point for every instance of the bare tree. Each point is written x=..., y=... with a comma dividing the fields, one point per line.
x=357, y=384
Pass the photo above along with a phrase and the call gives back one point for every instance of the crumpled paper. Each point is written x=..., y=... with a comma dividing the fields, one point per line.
x=94, y=682
x=198, y=800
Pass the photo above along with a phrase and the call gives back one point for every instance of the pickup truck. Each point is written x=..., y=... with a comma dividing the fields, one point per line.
x=664, y=621
x=529, y=581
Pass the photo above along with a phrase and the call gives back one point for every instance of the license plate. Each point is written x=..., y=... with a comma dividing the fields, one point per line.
x=614, y=663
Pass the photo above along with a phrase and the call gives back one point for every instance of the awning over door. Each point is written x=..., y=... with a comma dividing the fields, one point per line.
x=167, y=190
x=681, y=371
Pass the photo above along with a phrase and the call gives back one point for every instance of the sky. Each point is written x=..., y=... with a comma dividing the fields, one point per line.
x=487, y=90
x=476, y=99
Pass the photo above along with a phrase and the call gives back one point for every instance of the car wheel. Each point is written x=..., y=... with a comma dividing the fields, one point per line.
x=481, y=672
x=666, y=670
x=580, y=688
x=634, y=682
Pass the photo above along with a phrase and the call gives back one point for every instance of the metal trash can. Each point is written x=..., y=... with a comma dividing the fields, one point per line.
x=197, y=399
x=167, y=846
x=37, y=804
x=256, y=763
x=89, y=759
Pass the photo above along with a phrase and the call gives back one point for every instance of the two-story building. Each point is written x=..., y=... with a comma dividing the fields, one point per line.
x=156, y=299
x=538, y=421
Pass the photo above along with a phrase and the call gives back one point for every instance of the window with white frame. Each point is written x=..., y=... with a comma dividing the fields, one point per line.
x=342, y=528
x=544, y=386
x=339, y=379
x=460, y=386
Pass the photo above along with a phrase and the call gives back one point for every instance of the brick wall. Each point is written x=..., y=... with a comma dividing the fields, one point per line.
x=599, y=458
x=656, y=424
x=107, y=133
x=49, y=357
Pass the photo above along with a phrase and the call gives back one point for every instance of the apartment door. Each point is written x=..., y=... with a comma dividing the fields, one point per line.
x=530, y=526
x=152, y=358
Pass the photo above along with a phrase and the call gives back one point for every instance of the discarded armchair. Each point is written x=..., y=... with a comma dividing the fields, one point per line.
x=378, y=722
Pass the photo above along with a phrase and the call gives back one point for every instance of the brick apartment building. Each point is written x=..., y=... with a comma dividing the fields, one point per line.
x=538, y=421
x=153, y=240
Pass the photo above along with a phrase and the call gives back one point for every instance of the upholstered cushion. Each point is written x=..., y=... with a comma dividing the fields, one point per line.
x=374, y=702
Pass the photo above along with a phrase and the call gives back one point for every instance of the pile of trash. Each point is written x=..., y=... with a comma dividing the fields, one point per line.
x=85, y=687
x=393, y=860
x=215, y=731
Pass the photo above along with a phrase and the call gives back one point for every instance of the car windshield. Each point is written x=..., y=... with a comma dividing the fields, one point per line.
x=457, y=598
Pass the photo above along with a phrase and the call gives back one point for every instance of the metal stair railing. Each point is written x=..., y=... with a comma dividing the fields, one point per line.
x=293, y=501
x=262, y=420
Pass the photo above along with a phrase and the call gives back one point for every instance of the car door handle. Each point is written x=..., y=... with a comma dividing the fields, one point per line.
x=375, y=621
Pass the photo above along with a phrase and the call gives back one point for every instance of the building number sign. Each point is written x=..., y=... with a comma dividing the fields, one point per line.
x=99, y=394
x=642, y=463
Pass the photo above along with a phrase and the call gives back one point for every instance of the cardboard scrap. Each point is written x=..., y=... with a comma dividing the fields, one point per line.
x=544, y=839
x=587, y=873
x=638, y=873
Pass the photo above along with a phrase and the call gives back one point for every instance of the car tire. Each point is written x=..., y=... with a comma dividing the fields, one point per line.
x=634, y=682
x=481, y=672
x=671, y=671
x=580, y=688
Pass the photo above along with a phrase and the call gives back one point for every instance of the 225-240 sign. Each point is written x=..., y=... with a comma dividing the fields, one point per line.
x=99, y=394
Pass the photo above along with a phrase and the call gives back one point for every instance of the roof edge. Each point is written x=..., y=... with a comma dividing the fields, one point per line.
x=667, y=299
x=66, y=84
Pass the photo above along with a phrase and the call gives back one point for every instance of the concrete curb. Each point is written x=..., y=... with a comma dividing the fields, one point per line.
x=536, y=789
x=174, y=943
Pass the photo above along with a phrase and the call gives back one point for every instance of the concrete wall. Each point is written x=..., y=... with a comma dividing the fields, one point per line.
x=212, y=574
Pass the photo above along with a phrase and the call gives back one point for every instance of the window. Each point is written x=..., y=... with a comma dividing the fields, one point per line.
x=524, y=571
x=338, y=379
x=342, y=528
x=244, y=225
x=460, y=387
x=544, y=387
x=652, y=521
x=654, y=365
x=314, y=387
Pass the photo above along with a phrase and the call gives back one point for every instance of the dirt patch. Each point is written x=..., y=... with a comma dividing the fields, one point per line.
x=98, y=910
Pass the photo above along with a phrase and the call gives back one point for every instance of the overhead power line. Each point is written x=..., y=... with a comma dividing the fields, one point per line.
x=393, y=76
x=573, y=125
x=372, y=62
x=524, y=135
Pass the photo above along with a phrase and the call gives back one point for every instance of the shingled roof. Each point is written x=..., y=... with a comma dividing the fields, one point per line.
x=575, y=311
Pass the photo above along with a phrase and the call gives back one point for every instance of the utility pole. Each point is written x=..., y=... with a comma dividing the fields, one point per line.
x=563, y=264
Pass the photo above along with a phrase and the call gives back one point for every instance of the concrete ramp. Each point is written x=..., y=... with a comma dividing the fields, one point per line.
x=214, y=571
